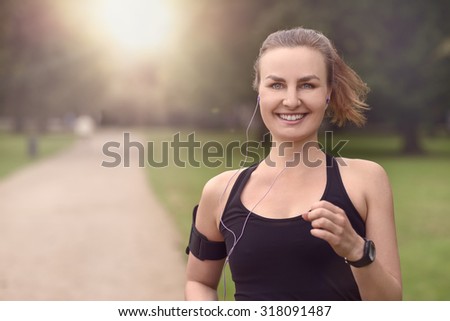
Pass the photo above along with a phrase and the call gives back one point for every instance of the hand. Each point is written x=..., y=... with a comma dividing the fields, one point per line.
x=330, y=223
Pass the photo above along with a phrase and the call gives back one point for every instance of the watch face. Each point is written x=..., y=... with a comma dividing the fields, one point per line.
x=372, y=252
x=368, y=257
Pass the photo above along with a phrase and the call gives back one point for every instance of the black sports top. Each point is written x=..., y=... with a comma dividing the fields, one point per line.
x=278, y=259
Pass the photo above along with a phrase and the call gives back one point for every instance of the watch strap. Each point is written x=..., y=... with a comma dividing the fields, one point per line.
x=366, y=258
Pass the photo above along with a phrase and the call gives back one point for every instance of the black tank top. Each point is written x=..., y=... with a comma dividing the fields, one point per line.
x=278, y=259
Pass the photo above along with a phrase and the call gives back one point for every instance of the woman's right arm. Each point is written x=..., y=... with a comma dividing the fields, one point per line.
x=202, y=277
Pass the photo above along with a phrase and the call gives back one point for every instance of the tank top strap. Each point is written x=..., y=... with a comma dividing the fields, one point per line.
x=334, y=179
x=336, y=193
x=333, y=174
x=238, y=186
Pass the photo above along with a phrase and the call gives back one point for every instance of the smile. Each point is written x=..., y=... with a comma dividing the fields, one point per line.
x=291, y=117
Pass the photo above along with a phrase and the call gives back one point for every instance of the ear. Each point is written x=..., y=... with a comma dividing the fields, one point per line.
x=327, y=101
x=329, y=92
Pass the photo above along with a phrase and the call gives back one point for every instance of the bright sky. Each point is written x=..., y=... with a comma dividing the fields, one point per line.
x=135, y=24
x=129, y=26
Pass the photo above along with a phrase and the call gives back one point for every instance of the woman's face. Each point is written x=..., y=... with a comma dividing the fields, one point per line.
x=293, y=92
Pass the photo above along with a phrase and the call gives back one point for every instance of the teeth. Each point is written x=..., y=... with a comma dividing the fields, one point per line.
x=291, y=117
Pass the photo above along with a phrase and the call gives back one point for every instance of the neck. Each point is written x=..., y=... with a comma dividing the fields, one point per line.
x=294, y=154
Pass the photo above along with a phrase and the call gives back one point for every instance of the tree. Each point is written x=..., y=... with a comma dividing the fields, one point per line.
x=392, y=44
x=45, y=70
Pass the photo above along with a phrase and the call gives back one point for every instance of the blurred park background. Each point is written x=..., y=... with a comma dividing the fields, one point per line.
x=162, y=67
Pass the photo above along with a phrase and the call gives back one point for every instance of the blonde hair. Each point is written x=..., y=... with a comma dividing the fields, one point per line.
x=347, y=101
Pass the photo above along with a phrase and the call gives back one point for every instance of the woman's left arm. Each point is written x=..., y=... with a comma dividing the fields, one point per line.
x=380, y=280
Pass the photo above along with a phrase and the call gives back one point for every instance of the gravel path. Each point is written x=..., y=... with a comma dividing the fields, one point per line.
x=71, y=229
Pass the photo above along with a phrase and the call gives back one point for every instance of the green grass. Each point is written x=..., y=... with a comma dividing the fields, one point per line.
x=13, y=149
x=421, y=190
x=421, y=193
x=180, y=189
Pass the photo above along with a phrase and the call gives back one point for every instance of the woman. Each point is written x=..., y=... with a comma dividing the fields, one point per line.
x=300, y=225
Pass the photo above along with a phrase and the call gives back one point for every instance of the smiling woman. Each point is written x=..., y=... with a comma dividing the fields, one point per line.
x=134, y=25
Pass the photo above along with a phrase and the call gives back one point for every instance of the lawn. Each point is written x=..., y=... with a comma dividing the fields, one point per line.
x=421, y=193
x=14, y=149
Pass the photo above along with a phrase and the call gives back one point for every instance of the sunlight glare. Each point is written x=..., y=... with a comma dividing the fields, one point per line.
x=135, y=25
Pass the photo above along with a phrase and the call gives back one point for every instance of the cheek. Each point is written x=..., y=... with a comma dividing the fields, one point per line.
x=267, y=105
x=316, y=100
x=269, y=99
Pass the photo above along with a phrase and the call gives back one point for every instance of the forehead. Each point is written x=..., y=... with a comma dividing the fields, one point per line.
x=296, y=61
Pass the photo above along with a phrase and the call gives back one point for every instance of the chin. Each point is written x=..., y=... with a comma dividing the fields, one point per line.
x=294, y=137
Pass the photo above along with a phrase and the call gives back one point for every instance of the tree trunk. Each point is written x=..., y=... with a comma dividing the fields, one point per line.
x=411, y=139
x=19, y=121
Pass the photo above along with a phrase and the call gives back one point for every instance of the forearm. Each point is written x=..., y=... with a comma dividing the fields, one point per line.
x=376, y=284
x=196, y=291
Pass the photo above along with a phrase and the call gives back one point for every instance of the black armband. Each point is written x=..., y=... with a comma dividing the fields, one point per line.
x=201, y=247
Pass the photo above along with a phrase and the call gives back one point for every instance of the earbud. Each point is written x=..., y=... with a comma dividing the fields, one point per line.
x=328, y=100
x=257, y=99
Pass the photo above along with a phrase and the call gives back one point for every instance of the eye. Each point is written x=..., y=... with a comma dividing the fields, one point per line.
x=307, y=86
x=277, y=86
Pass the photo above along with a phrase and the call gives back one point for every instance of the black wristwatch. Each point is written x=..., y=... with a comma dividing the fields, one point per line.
x=368, y=256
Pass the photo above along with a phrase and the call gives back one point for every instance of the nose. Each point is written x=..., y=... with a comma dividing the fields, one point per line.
x=291, y=100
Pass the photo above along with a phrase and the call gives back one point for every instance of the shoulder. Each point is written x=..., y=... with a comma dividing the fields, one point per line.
x=212, y=203
x=217, y=187
x=362, y=166
x=366, y=182
x=363, y=169
x=366, y=176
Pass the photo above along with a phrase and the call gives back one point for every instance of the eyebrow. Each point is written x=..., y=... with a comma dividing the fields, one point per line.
x=302, y=79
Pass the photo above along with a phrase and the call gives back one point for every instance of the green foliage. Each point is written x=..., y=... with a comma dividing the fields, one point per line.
x=398, y=47
x=45, y=70
x=49, y=66
x=420, y=187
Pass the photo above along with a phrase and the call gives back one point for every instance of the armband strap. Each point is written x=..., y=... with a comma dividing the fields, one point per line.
x=201, y=247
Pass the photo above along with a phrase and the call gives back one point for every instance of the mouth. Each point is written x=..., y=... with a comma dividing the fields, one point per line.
x=291, y=117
